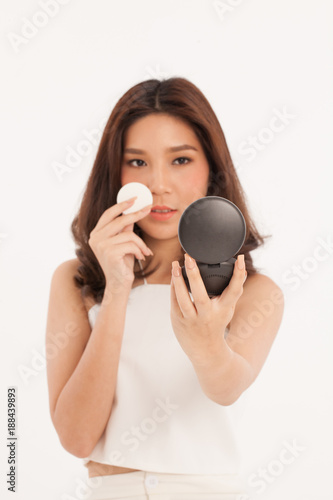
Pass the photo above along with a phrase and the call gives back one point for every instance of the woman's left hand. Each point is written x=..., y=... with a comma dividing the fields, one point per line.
x=200, y=325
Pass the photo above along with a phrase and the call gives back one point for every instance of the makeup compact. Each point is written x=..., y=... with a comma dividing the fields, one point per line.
x=212, y=230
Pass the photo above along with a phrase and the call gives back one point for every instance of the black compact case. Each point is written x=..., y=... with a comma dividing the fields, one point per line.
x=212, y=230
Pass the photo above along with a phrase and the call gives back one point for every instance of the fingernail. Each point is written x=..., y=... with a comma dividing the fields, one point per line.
x=240, y=261
x=190, y=263
x=175, y=268
x=128, y=202
x=146, y=210
x=148, y=251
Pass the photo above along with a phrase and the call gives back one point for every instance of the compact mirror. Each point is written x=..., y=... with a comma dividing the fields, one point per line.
x=212, y=230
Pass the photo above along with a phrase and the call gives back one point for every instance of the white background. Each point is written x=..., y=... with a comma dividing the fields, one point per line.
x=250, y=58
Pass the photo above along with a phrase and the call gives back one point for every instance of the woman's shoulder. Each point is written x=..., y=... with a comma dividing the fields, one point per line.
x=262, y=286
x=65, y=272
x=259, y=279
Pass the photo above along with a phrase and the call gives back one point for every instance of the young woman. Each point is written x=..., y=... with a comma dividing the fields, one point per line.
x=144, y=386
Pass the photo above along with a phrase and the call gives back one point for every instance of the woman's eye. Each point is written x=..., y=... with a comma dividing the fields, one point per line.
x=183, y=158
x=131, y=162
x=183, y=161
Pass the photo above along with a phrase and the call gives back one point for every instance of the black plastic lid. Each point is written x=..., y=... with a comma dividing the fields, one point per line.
x=212, y=229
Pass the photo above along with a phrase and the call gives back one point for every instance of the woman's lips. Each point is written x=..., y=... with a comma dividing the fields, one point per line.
x=162, y=216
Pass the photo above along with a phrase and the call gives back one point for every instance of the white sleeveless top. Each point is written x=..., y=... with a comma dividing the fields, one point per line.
x=161, y=420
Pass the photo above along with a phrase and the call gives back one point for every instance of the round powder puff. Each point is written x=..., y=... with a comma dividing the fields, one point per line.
x=144, y=196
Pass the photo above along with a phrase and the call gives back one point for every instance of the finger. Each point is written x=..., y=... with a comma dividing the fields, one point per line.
x=123, y=238
x=126, y=220
x=128, y=248
x=123, y=221
x=184, y=300
x=174, y=302
x=110, y=213
x=234, y=289
x=198, y=290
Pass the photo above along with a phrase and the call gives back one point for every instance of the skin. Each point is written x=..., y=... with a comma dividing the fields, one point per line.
x=225, y=367
x=173, y=181
x=176, y=182
x=198, y=324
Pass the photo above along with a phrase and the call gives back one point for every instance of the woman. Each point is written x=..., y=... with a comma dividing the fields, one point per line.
x=144, y=387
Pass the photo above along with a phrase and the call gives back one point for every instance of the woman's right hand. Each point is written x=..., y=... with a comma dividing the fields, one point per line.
x=115, y=244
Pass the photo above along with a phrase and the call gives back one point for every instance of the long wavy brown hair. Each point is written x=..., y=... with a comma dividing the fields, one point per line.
x=177, y=97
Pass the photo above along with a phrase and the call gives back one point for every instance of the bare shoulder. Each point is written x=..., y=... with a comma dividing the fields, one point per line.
x=261, y=286
x=65, y=273
x=261, y=295
x=67, y=266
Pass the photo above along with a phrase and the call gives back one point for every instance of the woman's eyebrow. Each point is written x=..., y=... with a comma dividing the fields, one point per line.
x=168, y=150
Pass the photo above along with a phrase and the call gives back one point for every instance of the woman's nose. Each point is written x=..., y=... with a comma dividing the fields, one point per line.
x=159, y=181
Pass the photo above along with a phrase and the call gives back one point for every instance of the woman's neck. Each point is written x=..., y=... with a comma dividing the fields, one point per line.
x=165, y=252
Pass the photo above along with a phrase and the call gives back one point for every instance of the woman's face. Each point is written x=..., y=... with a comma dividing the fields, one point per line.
x=164, y=153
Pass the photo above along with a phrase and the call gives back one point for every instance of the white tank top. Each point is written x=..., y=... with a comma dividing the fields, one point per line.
x=161, y=420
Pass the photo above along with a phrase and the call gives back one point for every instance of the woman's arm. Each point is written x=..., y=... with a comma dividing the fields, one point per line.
x=237, y=361
x=82, y=374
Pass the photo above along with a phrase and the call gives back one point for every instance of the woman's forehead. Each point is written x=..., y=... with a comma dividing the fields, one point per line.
x=161, y=126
